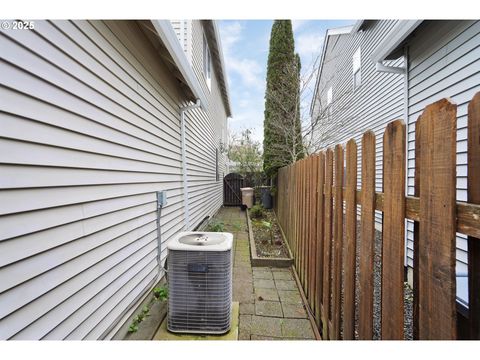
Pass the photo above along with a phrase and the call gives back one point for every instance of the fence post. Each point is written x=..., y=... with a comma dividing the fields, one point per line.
x=350, y=241
x=437, y=241
x=474, y=197
x=367, y=238
x=393, y=230
x=327, y=244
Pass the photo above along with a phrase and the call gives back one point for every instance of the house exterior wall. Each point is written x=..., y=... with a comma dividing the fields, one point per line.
x=378, y=100
x=207, y=128
x=444, y=61
x=90, y=130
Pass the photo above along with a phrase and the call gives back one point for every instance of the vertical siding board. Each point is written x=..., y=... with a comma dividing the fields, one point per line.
x=350, y=241
x=393, y=230
x=367, y=237
x=437, y=288
x=474, y=197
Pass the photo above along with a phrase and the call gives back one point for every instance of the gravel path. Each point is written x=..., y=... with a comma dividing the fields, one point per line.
x=408, y=293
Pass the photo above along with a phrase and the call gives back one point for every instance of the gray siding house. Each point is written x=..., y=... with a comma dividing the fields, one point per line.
x=407, y=64
x=95, y=118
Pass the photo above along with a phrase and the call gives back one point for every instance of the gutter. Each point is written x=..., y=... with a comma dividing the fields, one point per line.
x=392, y=43
x=183, y=110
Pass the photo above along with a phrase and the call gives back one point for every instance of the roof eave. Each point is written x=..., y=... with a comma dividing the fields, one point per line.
x=330, y=32
x=213, y=36
x=169, y=39
x=394, y=39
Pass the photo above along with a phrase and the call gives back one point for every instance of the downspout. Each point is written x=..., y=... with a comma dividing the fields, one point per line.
x=405, y=116
x=183, y=110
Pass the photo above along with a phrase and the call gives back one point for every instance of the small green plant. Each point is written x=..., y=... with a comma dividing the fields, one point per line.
x=237, y=226
x=256, y=212
x=160, y=293
x=216, y=226
x=140, y=317
x=268, y=225
x=133, y=328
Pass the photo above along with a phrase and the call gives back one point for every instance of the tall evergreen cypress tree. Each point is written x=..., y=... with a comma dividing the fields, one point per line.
x=282, y=142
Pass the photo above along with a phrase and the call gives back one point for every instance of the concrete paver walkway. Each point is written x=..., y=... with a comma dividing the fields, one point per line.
x=271, y=307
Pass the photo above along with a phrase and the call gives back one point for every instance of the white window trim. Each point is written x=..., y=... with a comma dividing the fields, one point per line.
x=207, y=63
x=357, y=68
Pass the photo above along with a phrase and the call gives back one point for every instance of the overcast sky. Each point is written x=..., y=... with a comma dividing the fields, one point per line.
x=245, y=48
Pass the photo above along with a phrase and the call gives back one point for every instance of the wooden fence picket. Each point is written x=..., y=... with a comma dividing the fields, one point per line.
x=393, y=230
x=317, y=212
x=474, y=197
x=320, y=236
x=437, y=245
x=327, y=243
x=367, y=238
x=350, y=241
x=337, y=242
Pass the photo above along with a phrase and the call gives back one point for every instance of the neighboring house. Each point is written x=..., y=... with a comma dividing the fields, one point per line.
x=92, y=125
x=405, y=65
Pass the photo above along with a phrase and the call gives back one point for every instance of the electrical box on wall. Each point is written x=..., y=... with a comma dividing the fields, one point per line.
x=161, y=198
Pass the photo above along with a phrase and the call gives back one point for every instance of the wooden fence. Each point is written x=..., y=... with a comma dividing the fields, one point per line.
x=317, y=208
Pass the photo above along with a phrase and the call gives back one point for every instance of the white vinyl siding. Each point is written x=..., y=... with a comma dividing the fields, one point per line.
x=378, y=101
x=444, y=61
x=90, y=130
x=206, y=128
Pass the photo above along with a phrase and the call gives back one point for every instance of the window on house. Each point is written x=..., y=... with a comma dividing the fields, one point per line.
x=207, y=62
x=217, y=174
x=357, y=69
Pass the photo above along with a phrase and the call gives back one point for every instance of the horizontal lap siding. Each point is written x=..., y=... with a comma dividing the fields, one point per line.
x=378, y=101
x=205, y=130
x=89, y=132
x=444, y=61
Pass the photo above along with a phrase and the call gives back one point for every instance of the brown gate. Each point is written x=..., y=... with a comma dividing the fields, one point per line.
x=232, y=196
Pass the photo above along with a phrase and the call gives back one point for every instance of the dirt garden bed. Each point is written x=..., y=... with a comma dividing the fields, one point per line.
x=267, y=244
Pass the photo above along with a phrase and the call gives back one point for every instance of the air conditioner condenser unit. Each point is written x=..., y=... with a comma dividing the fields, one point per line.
x=200, y=282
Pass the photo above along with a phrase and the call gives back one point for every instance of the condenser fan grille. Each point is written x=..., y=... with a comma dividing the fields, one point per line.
x=200, y=291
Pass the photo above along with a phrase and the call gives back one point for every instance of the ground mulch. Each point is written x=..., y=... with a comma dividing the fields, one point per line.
x=268, y=243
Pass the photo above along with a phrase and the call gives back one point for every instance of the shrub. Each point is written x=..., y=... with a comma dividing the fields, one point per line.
x=256, y=212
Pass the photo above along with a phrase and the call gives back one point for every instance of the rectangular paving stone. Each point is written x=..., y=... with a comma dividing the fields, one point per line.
x=245, y=323
x=266, y=326
x=247, y=308
x=268, y=308
x=242, y=335
x=263, y=275
x=297, y=328
x=242, y=236
x=291, y=311
x=263, y=283
x=289, y=296
x=277, y=275
x=286, y=285
x=261, y=337
x=266, y=294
